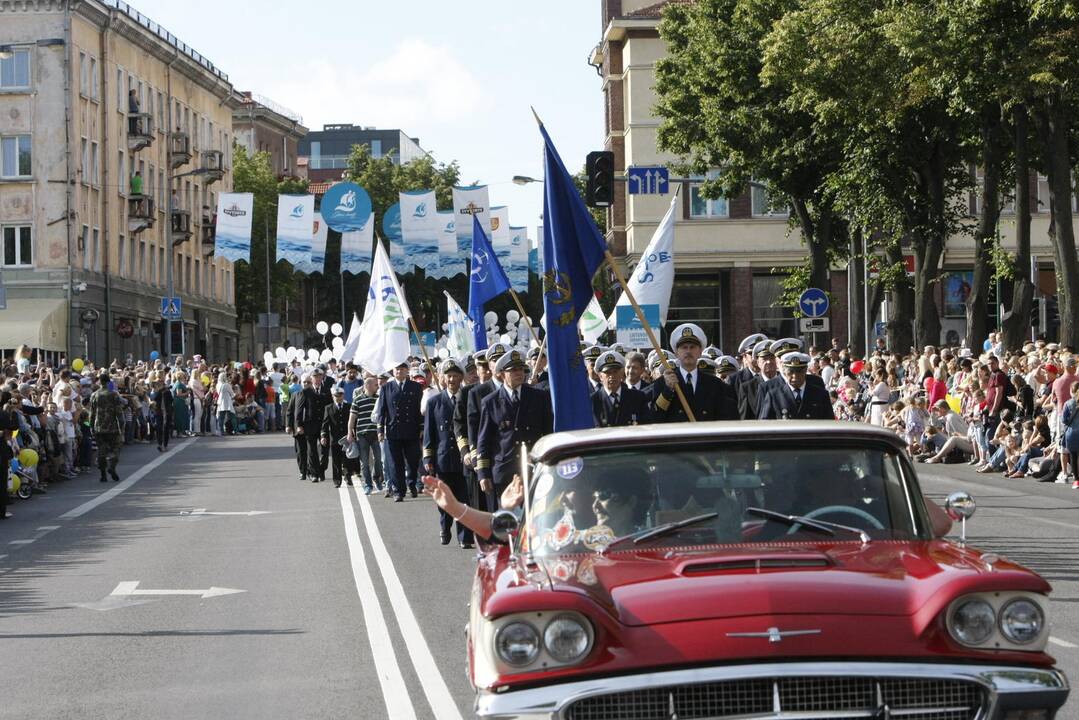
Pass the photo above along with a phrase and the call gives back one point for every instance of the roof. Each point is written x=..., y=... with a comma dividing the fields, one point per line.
x=656, y=10
x=318, y=188
x=559, y=444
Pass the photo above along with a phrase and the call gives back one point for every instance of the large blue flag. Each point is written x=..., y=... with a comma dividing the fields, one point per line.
x=572, y=251
x=487, y=281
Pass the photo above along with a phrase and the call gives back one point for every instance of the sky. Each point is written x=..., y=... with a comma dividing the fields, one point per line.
x=459, y=76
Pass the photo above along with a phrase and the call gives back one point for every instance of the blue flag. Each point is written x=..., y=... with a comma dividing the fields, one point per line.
x=572, y=251
x=486, y=282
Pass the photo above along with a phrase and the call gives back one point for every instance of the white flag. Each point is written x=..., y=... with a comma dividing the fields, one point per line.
x=460, y=341
x=348, y=353
x=592, y=324
x=384, y=334
x=653, y=278
x=469, y=201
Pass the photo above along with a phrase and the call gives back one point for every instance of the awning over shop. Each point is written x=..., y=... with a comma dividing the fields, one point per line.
x=38, y=322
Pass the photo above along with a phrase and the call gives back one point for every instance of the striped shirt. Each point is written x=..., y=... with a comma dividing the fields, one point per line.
x=362, y=407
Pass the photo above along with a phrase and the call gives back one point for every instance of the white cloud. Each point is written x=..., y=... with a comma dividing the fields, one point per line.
x=416, y=86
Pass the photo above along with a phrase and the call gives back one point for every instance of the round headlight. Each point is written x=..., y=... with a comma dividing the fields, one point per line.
x=973, y=622
x=1022, y=621
x=517, y=643
x=566, y=639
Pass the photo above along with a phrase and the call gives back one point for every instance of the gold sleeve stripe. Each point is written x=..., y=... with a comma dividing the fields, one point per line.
x=462, y=444
x=483, y=464
x=662, y=402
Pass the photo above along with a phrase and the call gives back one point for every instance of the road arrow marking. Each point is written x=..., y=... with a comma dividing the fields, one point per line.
x=128, y=588
x=204, y=511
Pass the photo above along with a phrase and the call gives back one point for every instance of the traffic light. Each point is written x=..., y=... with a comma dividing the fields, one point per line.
x=599, y=178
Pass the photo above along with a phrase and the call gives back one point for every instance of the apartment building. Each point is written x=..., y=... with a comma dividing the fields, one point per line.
x=726, y=249
x=123, y=137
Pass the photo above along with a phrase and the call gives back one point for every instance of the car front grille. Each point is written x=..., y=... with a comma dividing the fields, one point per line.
x=791, y=698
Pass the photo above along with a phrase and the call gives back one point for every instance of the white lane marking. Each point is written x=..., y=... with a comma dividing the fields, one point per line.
x=49, y=528
x=434, y=686
x=22, y=542
x=125, y=484
x=130, y=587
x=1062, y=643
x=394, y=691
x=204, y=511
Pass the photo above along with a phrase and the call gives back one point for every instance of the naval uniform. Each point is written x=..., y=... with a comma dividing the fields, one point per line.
x=779, y=401
x=749, y=396
x=504, y=425
x=399, y=421
x=442, y=457
x=335, y=427
x=307, y=416
x=625, y=407
x=709, y=397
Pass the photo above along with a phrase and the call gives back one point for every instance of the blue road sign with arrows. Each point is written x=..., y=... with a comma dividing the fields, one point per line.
x=171, y=309
x=648, y=180
x=813, y=303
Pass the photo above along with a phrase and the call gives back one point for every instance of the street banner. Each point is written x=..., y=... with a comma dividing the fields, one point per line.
x=420, y=230
x=233, y=231
x=384, y=333
x=460, y=341
x=534, y=253
x=502, y=237
x=391, y=229
x=518, y=267
x=592, y=323
x=487, y=280
x=468, y=202
x=653, y=278
x=451, y=261
x=320, y=232
x=346, y=206
x=352, y=342
x=295, y=224
x=356, y=248
x=572, y=252
x=630, y=332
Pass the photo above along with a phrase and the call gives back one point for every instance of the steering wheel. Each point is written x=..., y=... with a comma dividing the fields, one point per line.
x=842, y=509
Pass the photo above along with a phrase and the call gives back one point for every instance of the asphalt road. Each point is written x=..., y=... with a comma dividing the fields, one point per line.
x=212, y=583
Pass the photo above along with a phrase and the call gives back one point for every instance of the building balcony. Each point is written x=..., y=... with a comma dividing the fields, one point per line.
x=180, y=227
x=180, y=149
x=213, y=165
x=140, y=213
x=140, y=131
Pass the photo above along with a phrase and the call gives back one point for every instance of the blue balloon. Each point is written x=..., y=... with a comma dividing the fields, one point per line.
x=15, y=464
x=154, y=355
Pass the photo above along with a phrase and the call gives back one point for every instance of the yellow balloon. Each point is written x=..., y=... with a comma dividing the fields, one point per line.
x=28, y=457
x=13, y=483
x=77, y=364
x=954, y=404
x=205, y=379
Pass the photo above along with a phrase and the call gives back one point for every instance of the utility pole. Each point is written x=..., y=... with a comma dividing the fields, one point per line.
x=266, y=245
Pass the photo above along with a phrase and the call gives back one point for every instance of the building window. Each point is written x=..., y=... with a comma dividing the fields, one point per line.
x=95, y=80
x=85, y=247
x=84, y=75
x=95, y=164
x=85, y=168
x=15, y=156
x=151, y=275
x=768, y=204
x=96, y=256
x=141, y=277
x=695, y=299
x=122, y=177
x=161, y=269
x=122, y=248
x=15, y=70
x=18, y=246
x=701, y=207
x=133, y=270
x=121, y=92
x=376, y=149
x=776, y=322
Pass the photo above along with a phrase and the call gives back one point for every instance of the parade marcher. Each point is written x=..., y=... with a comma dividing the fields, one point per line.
x=162, y=405
x=636, y=367
x=794, y=398
x=364, y=431
x=488, y=384
x=514, y=414
x=590, y=355
x=107, y=421
x=334, y=429
x=476, y=371
x=707, y=365
x=745, y=353
x=750, y=390
x=726, y=368
x=708, y=397
x=400, y=423
x=307, y=424
x=537, y=363
x=441, y=455
x=614, y=404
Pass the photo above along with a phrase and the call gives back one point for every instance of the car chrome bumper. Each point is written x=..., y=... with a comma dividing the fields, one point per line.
x=1006, y=688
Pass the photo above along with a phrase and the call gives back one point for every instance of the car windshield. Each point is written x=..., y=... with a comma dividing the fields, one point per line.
x=716, y=495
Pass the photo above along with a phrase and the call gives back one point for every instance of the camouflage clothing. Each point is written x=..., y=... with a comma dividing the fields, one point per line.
x=107, y=421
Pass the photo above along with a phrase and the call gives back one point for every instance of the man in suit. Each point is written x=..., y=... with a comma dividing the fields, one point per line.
x=726, y=368
x=636, y=378
x=477, y=364
x=590, y=355
x=515, y=413
x=441, y=455
x=788, y=345
x=323, y=386
x=400, y=424
x=488, y=385
x=745, y=354
x=298, y=441
x=792, y=398
x=749, y=391
x=335, y=427
x=308, y=415
x=708, y=397
x=537, y=361
x=614, y=404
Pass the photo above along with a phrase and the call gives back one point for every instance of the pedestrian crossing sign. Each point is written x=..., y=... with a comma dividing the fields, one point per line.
x=171, y=309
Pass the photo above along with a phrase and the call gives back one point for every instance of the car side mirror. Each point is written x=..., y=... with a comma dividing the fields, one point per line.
x=504, y=525
x=960, y=506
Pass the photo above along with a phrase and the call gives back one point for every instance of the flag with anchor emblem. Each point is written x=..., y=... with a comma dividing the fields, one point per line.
x=572, y=251
x=487, y=280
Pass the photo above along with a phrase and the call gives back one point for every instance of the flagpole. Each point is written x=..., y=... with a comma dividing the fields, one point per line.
x=423, y=350
x=648, y=329
x=524, y=315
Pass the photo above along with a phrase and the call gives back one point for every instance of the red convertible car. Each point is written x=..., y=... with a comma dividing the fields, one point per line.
x=745, y=570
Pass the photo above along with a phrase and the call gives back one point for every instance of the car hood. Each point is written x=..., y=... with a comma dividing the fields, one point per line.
x=897, y=578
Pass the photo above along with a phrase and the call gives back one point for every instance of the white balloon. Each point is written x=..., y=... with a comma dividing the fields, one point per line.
x=312, y=355
x=337, y=342
x=513, y=316
x=445, y=327
x=325, y=355
x=280, y=355
x=443, y=353
x=490, y=318
x=293, y=352
x=268, y=358
x=339, y=351
x=505, y=339
x=336, y=329
x=321, y=327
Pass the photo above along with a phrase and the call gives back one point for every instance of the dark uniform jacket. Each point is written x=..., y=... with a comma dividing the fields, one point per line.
x=335, y=421
x=502, y=430
x=308, y=411
x=399, y=410
x=749, y=396
x=742, y=375
x=777, y=402
x=645, y=383
x=713, y=399
x=440, y=451
x=475, y=401
x=543, y=382
x=460, y=419
x=632, y=408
